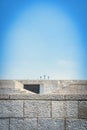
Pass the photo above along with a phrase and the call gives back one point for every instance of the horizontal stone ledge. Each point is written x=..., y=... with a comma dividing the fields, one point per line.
x=4, y=96
x=36, y=97
x=75, y=97
x=54, y=97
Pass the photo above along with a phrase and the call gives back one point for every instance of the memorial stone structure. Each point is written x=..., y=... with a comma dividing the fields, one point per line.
x=43, y=104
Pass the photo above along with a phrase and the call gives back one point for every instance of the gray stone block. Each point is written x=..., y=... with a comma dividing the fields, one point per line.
x=23, y=96
x=51, y=96
x=23, y=124
x=61, y=109
x=50, y=124
x=7, y=84
x=30, y=124
x=4, y=124
x=72, y=109
x=11, y=108
x=37, y=108
x=82, y=109
x=73, y=124
x=37, y=97
x=58, y=109
x=4, y=96
x=56, y=97
x=6, y=91
x=75, y=97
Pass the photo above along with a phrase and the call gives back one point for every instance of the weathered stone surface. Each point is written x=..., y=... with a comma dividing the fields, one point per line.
x=4, y=124
x=75, y=97
x=82, y=109
x=58, y=109
x=23, y=124
x=37, y=96
x=54, y=97
x=50, y=124
x=6, y=96
x=63, y=87
x=6, y=91
x=37, y=108
x=73, y=124
x=63, y=109
x=7, y=84
x=11, y=108
x=72, y=109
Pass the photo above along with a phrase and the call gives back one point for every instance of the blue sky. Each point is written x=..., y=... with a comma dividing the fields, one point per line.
x=40, y=37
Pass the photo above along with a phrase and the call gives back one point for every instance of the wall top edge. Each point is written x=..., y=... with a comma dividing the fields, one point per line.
x=42, y=80
x=43, y=97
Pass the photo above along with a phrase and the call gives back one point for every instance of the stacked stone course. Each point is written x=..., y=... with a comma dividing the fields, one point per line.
x=52, y=111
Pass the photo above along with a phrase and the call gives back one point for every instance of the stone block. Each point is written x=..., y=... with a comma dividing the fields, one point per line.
x=11, y=108
x=58, y=109
x=4, y=124
x=54, y=97
x=72, y=109
x=37, y=108
x=75, y=124
x=82, y=109
x=5, y=91
x=23, y=124
x=50, y=124
x=37, y=96
x=23, y=96
x=75, y=97
x=4, y=96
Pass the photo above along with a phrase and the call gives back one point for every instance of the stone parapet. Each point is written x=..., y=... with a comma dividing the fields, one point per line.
x=62, y=106
x=54, y=97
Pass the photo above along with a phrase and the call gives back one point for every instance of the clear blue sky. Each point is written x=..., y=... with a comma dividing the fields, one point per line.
x=40, y=37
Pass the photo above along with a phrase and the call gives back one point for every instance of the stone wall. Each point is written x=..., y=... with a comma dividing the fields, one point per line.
x=11, y=87
x=59, y=86
x=43, y=112
x=46, y=86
